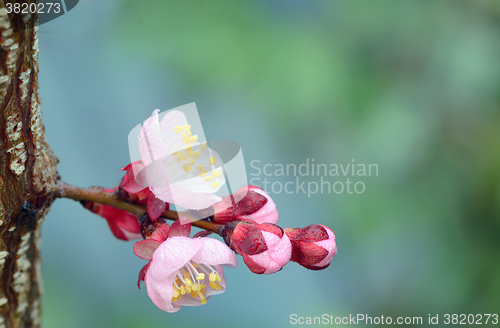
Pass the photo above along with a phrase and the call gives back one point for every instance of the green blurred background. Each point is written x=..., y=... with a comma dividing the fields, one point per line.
x=413, y=86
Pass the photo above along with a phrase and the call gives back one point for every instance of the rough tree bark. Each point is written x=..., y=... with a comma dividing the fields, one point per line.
x=27, y=172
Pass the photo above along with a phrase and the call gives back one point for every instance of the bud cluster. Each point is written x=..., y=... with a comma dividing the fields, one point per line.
x=184, y=270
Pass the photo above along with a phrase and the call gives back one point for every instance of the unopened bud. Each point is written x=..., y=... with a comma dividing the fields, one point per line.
x=265, y=248
x=313, y=247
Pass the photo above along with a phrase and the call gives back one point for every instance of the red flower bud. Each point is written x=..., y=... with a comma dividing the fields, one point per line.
x=264, y=247
x=313, y=247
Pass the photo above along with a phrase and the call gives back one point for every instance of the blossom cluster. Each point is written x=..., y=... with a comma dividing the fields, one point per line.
x=175, y=168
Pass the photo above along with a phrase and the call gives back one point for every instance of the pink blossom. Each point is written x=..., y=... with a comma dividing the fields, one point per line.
x=265, y=247
x=175, y=166
x=254, y=204
x=183, y=271
x=313, y=247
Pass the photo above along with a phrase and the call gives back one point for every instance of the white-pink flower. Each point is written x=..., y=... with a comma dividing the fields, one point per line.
x=183, y=271
x=176, y=167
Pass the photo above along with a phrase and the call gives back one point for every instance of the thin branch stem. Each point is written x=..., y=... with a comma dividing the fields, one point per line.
x=98, y=195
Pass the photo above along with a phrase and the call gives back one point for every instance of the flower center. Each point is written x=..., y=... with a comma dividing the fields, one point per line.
x=190, y=157
x=191, y=279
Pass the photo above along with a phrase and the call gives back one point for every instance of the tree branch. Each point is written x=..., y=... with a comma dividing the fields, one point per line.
x=98, y=195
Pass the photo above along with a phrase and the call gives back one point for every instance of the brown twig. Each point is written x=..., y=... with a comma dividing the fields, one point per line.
x=98, y=195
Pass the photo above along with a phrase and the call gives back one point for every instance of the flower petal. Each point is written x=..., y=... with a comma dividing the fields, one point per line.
x=155, y=175
x=266, y=214
x=146, y=248
x=161, y=291
x=215, y=252
x=330, y=245
x=171, y=139
x=181, y=227
x=151, y=145
x=142, y=274
x=254, y=267
x=129, y=183
x=190, y=199
x=169, y=257
x=278, y=253
x=155, y=207
x=174, y=253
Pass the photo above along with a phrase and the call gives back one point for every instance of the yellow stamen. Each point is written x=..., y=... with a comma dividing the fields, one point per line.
x=202, y=298
x=191, y=139
x=186, y=127
x=209, y=178
x=177, y=129
x=211, y=277
x=216, y=174
x=212, y=160
x=199, y=167
x=214, y=285
x=187, y=168
x=219, y=279
x=188, y=285
x=183, y=290
x=204, y=145
x=189, y=149
x=215, y=184
x=200, y=276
